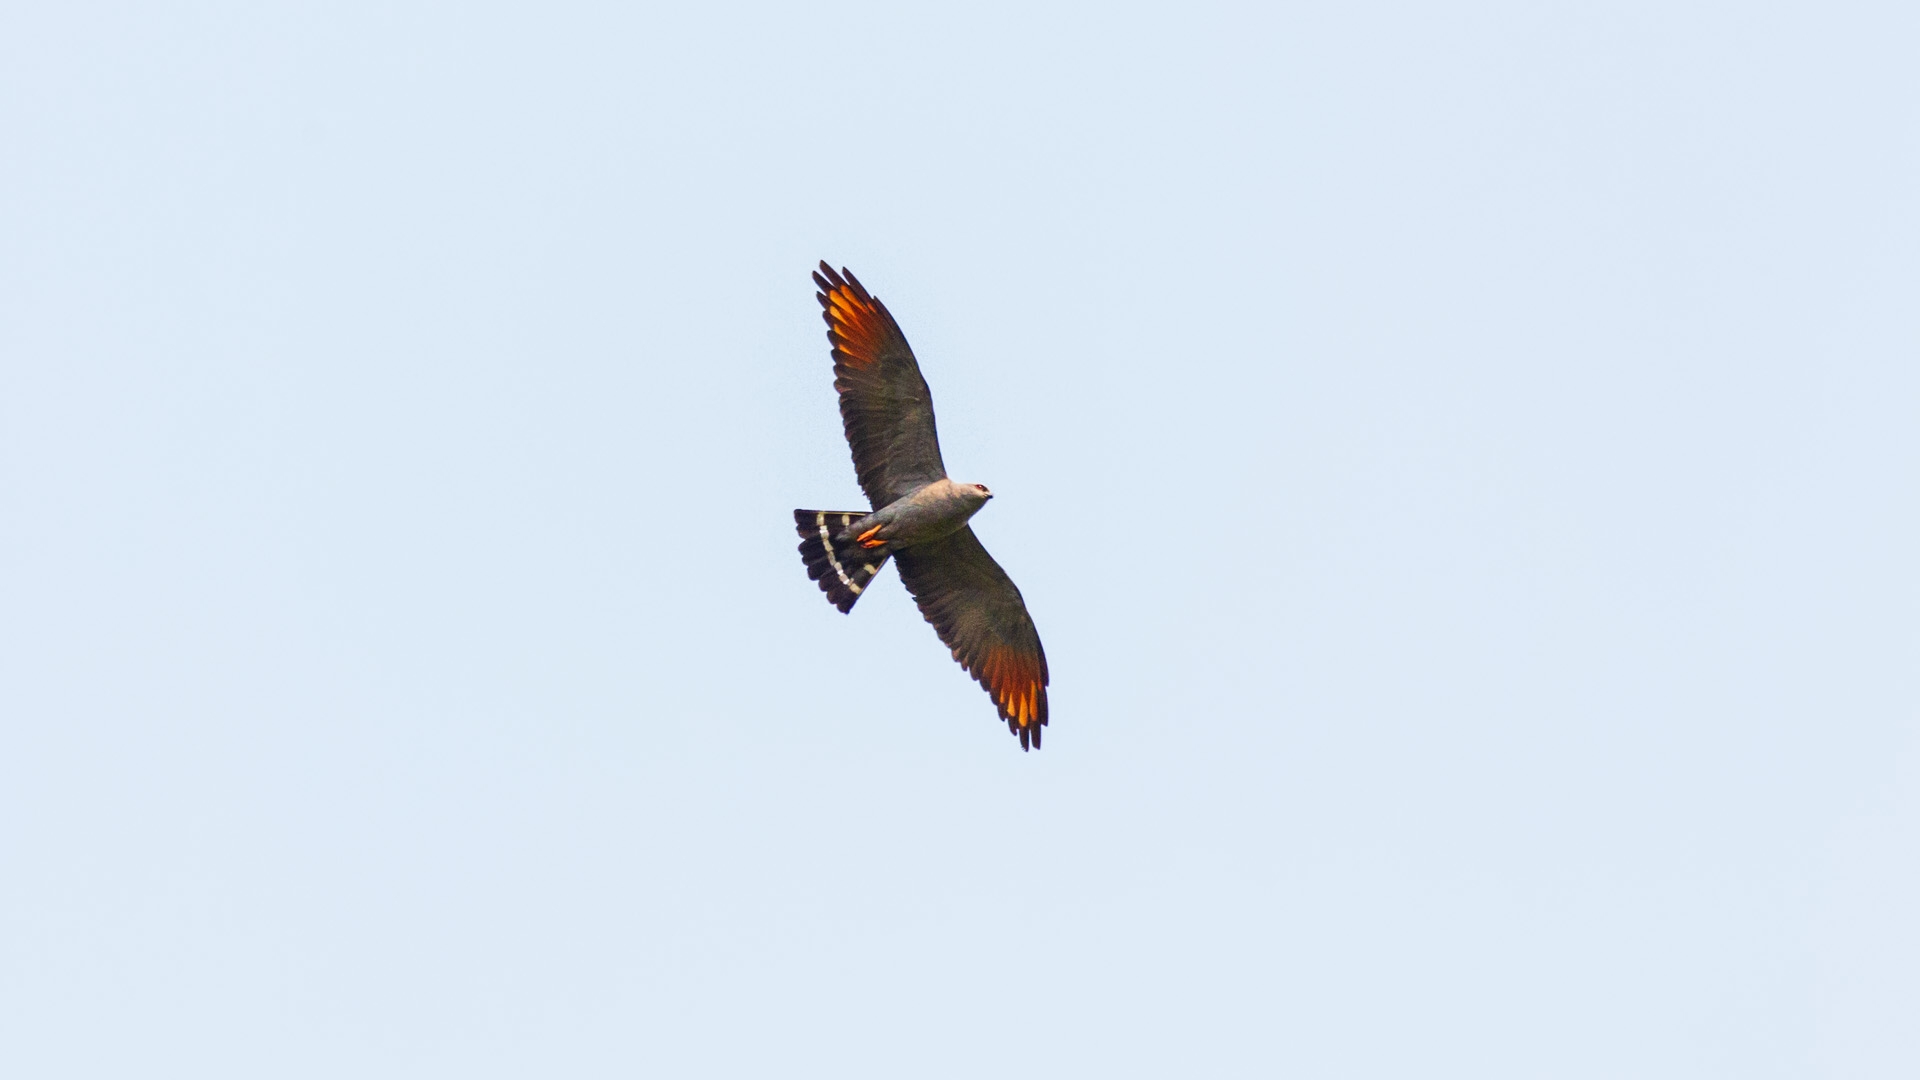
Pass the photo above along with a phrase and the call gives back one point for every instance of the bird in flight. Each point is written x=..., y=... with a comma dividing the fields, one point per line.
x=919, y=516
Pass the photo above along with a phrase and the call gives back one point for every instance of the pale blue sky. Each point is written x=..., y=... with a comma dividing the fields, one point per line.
x=1462, y=463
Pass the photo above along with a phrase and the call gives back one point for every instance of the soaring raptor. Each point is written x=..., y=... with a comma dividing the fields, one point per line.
x=919, y=516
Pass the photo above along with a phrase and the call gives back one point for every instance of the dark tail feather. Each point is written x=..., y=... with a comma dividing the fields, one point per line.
x=842, y=567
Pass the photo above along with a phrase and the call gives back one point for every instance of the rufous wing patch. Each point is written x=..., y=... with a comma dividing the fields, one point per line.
x=858, y=327
x=1016, y=681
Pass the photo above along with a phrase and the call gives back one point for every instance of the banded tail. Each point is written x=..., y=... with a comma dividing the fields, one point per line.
x=842, y=567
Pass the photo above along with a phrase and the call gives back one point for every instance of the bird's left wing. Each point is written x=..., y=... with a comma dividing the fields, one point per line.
x=981, y=617
x=884, y=401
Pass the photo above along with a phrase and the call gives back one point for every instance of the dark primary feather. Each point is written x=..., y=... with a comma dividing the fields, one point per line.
x=884, y=401
x=979, y=614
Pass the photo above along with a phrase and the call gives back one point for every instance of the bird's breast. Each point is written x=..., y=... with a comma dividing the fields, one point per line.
x=928, y=514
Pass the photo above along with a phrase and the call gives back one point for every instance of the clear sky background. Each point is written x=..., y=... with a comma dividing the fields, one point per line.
x=1461, y=459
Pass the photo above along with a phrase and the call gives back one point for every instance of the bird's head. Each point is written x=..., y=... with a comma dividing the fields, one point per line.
x=979, y=491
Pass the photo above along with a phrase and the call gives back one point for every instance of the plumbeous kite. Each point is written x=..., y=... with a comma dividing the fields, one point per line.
x=919, y=516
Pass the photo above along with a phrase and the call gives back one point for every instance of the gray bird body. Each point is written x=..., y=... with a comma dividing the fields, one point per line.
x=930, y=513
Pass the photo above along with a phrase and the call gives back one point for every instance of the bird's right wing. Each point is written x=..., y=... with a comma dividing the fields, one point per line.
x=884, y=401
x=980, y=615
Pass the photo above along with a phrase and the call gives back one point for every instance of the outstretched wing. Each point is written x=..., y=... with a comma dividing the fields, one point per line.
x=979, y=614
x=883, y=399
